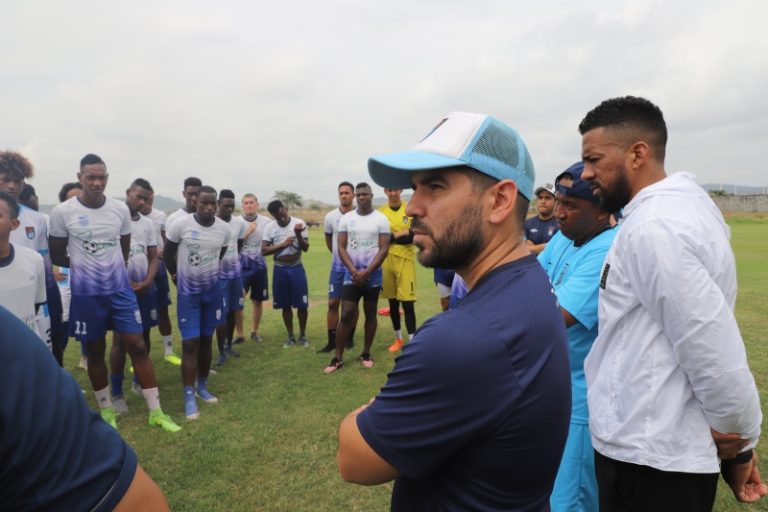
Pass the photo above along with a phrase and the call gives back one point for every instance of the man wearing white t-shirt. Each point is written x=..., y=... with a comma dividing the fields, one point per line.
x=191, y=190
x=96, y=230
x=21, y=270
x=162, y=286
x=195, y=246
x=286, y=238
x=363, y=243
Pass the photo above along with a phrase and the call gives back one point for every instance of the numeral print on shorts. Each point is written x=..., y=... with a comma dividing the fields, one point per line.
x=84, y=330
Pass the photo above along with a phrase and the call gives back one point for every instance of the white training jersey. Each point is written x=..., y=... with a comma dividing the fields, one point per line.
x=363, y=235
x=276, y=234
x=197, y=262
x=159, y=220
x=32, y=233
x=23, y=276
x=178, y=214
x=250, y=255
x=230, y=263
x=142, y=238
x=331, y=223
x=96, y=265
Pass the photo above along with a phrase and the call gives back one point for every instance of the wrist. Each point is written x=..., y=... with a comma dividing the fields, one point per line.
x=741, y=458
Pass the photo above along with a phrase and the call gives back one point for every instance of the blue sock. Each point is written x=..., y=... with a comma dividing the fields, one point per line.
x=117, y=384
x=189, y=391
x=202, y=383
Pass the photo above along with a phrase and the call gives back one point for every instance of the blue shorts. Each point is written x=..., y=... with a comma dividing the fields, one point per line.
x=335, y=284
x=576, y=484
x=374, y=280
x=148, y=309
x=199, y=313
x=256, y=280
x=289, y=287
x=162, y=287
x=91, y=316
x=55, y=310
x=231, y=294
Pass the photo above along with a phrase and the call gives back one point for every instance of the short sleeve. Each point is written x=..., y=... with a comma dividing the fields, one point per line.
x=174, y=232
x=125, y=228
x=328, y=224
x=40, y=295
x=343, y=224
x=58, y=224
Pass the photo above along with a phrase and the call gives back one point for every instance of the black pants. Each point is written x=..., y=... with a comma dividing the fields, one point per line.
x=630, y=487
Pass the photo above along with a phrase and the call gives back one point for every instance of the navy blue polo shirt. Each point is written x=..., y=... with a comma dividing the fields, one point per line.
x=475, y=413
x=540, y=231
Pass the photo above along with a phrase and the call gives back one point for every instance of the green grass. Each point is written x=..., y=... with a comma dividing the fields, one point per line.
x=270, y=444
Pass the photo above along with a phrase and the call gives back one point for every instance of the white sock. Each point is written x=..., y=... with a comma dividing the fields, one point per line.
x=410, y=336
x=399, y=334
x=152, y=398
x=168, y=343
x=103, y=398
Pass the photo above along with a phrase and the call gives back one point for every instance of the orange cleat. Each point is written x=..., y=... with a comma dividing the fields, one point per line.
x=397, y=345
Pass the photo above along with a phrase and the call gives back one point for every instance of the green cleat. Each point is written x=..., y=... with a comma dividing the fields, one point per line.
x=159, y=418
x=109, y=415
x=173, y=359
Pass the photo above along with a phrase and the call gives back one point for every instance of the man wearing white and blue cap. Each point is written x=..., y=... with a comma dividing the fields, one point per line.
x=475, y=413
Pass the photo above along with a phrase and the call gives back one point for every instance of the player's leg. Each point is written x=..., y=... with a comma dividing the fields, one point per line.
x=281, y=299
x=335, y=283
x=209, y=319
x=163, y=298
x=349, y=304
x=190, y=320
x=221, y=327
x=300, y=300
x=117, y=374
x=370, y=300
x=259, y=294
x=235, y=302
x=406, y=293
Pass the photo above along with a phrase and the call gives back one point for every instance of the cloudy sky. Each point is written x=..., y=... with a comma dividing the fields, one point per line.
x=262, y=96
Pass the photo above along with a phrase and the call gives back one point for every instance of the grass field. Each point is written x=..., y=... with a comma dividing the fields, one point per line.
x=270, y=444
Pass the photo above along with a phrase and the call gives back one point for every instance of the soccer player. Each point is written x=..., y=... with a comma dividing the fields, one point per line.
x=22, y=271
x=254, y=268
x=672, y=402
x=96, y=230
x=285, y=238
x=162, y=287
x=230, y=275
x=195, y=246
x=191, y=189
x=399, y=267
x=573, y=259
x=32, y=233
x=540, y=228
x=336, y=279
x=363, y=241
x=142, y=267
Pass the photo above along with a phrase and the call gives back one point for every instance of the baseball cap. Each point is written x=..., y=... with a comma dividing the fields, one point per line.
x=478, y=141
x=579, y=187
x=547, y=187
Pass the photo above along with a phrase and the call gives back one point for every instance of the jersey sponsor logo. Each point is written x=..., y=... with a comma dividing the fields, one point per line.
x=405, y=219
x=604, y=277
x=30, y=230
x=195, y=235
x=83, y=221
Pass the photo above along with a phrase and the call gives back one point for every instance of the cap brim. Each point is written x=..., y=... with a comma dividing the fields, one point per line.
x=393, y=170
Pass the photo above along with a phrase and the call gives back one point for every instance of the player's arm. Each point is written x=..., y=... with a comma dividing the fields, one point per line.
x=171, y=250
x=240, y=244
x=223, y=252
x=358, y=462
x=341, y=242
x=125, y=245
x=300, y=229
x=165, y=241
x=378, y=259
x=154, y=262
x=403, y=237
x=267, y=247
x=58, y=248
x=329, y=242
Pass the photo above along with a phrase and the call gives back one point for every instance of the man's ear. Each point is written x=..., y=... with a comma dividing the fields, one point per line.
x=503, y=200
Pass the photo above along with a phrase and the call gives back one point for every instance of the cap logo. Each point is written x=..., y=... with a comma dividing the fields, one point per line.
x=438, y=125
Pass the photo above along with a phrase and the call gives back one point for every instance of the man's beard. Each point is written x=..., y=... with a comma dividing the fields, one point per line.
x=617, y=198
x=459, y=245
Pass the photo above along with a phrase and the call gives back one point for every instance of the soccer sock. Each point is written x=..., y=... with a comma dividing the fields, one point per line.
x=332, y=337
x=410, y=336
x=152, y=398
x=168, y=344
x=189, y=391
x=103, y=398
x=117, y=384
x=202, y=383
x=399, y=334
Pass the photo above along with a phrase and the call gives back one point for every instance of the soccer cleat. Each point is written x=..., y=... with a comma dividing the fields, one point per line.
x=173, y=359
x=383, y=311
x=327, y=348
x=160, y=419
x=190, y=408
x=206, y=396
x=303, y=341
x=255, y=337
x=238, y=340
x=109, y=415
x=334, y=365
x=120, y=405
x=230, y=351
x=290, y=342
x=397, y=345
x=222, y=359
x=366, y=360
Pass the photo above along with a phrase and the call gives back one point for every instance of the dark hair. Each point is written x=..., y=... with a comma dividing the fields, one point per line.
x=91, y=159
x=141, y=182
x=26, y=192
x=13, y=205
x=16, y=165
x=345, y=184
x=362, y=184
x=207, y=189
x=65, y=188
x=632, y=117
x=192, y=182
x=274, y=206
x=226, y=194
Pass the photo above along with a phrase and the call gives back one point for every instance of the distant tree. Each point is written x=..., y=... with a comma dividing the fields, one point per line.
x=719, y=193
x=289, y=199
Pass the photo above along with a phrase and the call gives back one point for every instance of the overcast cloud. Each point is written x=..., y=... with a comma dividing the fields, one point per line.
x=265, y=96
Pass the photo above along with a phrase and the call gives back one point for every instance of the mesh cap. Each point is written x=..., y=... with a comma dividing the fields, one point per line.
x=475, y=140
